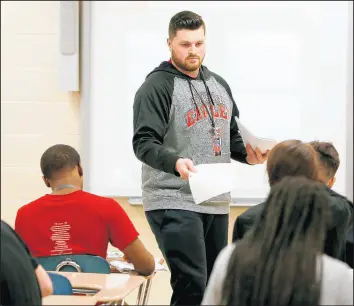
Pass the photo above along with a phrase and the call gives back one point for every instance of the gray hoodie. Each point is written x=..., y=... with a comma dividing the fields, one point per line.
x=173, y=118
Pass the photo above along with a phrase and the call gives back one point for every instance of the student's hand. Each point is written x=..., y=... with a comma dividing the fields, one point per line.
x=184, y=166
x=125, y=259
x=255, y=157
x=140, y=257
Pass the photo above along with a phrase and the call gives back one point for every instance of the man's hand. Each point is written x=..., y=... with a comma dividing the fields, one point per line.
x=255, y=157
x=184, y=166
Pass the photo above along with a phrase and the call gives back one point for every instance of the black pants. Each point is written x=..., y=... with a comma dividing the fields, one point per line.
x=190, y=243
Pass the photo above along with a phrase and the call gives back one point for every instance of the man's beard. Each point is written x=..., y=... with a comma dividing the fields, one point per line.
x=185, y=65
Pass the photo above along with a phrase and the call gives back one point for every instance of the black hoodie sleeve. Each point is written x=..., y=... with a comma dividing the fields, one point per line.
x=151, y=110
x=237, y=147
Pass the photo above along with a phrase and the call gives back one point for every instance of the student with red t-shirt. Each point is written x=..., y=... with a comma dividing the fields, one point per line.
x=72, y=221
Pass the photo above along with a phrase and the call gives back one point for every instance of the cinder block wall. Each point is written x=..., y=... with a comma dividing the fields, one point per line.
x=35, y=114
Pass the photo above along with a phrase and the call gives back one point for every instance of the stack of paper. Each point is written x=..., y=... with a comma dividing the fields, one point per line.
x=262, y=143
x=212, y=180
x=123, y=266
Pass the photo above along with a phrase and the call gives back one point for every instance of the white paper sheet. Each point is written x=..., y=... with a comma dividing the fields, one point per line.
x=212, y=180
x=116, y=253
x=124, y=266
x=262, y=143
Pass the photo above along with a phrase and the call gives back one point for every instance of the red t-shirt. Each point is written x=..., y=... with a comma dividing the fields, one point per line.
x=75, y=223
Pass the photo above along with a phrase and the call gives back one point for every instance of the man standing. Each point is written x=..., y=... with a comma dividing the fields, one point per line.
x=184, y=115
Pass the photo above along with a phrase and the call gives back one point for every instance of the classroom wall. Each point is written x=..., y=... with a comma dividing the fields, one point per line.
x=349, y=161
x=34, y=113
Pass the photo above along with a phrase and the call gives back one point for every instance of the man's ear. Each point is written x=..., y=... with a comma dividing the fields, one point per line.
x=169, y=43
x=46, y=182
x=331, y=182
x=81, y=172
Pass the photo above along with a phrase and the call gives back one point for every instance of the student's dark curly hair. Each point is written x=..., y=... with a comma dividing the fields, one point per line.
x=57, y=158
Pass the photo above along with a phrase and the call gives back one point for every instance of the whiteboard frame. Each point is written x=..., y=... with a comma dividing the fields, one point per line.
x=85, y=107
x=349, y=124
x=85, y=96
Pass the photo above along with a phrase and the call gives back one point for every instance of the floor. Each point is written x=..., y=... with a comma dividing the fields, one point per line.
x=161, y=291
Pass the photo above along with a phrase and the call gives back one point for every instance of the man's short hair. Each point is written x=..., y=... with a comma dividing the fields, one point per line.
x=58, y=157
x=328, y=156
x=185, y=20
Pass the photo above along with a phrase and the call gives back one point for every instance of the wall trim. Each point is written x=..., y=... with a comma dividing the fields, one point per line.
x=85, y=77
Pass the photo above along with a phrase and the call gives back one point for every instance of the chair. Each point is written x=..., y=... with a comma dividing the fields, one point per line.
x=61, y=285
x=75, y=263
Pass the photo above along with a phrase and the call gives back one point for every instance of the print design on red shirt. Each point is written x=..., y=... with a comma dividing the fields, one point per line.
x=60, y=236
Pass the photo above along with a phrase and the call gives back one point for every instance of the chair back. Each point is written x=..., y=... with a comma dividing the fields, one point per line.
x=61, y=285
x=75, y=263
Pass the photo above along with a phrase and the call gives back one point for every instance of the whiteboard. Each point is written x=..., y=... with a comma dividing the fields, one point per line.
x=284, y=61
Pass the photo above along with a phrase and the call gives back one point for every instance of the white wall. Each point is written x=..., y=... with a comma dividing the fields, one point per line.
x=286, y=63
x=349, y=161
x=35, y=114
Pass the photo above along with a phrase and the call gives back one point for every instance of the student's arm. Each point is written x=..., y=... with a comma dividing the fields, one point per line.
x=345, y=296
x=44, y=281
x=124, y=236
x=214, y=292
x=237, y=233
x=140, y=257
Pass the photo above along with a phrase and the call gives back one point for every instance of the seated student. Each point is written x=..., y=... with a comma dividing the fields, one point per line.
x=290, y=158
x=280, y=261
x=72, y=221
x=23, y=280
x=329, y=161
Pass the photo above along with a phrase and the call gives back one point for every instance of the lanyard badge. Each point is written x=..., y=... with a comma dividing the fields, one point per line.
x=216, y=138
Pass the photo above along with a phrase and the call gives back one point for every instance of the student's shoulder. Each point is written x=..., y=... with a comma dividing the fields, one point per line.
x=102, y=204
x=340, y=204
x=336, y=269
x=8, y=234
x=227, y=251
x=97, y=199
x=339, y=200
x=6, y=229
x=329, y=261
x=337, y=282
x=251, y=212
x=31, y=205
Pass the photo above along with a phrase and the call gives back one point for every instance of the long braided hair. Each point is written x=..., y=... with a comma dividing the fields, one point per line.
x=277, y=262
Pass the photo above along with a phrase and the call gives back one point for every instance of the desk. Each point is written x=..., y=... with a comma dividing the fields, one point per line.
x=144, y=290
x=111, y=287
x=68, y=300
